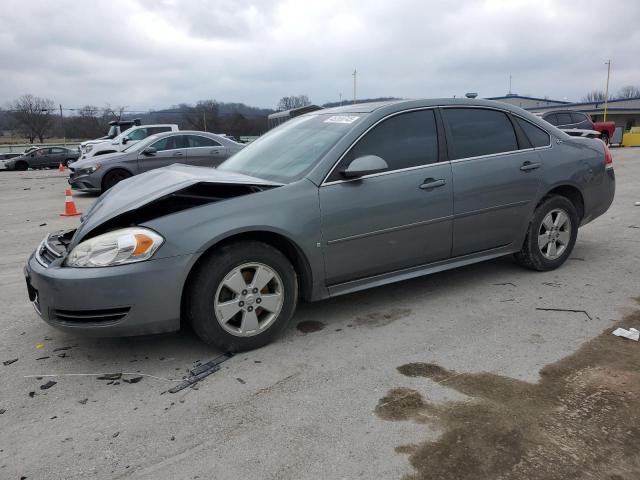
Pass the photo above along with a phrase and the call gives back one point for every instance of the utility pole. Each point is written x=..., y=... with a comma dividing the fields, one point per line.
x=340, y=98
x=204, y=119
x=606, y=91
x=509, y=85
x=355, y=73
x=64, y=136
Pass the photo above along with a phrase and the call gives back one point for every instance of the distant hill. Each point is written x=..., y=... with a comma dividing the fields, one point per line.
x=363, y=100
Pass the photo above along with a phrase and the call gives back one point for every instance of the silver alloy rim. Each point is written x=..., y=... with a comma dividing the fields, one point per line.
x=249, y=299
x=554, y=234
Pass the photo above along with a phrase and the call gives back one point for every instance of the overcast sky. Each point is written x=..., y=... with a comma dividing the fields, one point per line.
x=158, y=53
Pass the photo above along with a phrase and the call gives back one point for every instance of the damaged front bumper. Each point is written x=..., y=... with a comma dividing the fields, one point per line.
x=124, y=300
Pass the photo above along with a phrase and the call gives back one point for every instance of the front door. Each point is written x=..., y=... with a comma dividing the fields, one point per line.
x=391, y=220
x=495, y=179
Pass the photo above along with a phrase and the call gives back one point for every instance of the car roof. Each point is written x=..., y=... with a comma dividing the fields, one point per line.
x=417, y=103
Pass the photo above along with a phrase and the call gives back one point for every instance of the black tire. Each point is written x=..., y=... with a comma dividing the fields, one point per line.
x=21, y=165
x=113, y=177
x=604, y=136
x=208, y=277
x=531, y=255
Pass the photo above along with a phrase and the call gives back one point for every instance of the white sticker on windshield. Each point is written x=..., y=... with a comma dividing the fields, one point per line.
x=341, y=119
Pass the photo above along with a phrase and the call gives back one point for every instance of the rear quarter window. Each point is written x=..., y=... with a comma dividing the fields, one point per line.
x=537, y=136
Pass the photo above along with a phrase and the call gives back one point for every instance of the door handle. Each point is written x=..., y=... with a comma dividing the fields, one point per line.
x=178, y=154
x=430, y=183
x=526, y=166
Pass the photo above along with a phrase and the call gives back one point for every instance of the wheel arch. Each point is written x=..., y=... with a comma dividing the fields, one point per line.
x=284, y=244
x=114, y=169
x=569, y=191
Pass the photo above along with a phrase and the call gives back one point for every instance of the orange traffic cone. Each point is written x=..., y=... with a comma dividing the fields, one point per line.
x=61, y=168
x=69, y=206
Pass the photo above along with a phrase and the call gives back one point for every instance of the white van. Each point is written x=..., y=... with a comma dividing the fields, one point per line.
x=125, y=139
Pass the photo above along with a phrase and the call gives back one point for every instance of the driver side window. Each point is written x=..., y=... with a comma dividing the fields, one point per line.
x=403, y=141
x=138, y=134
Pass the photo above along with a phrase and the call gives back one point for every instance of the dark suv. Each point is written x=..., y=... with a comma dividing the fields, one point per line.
x=569, y=120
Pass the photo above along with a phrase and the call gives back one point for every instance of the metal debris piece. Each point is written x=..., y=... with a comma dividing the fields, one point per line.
x=631, y=334
x=200, y=372
x=110, y=376
x=565, y=310
x=240, y=380
x=32, y=394
x=83, y=401
x=47, y=385
x=42, y=358
x=60, y=349
x=2, y=410
x=132, y=379
x=505, y=284
x=9, y=362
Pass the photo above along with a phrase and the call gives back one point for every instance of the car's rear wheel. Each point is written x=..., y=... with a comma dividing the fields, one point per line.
x=114, y=177
x=551, y=236
x=21, y=165
x=242, y=296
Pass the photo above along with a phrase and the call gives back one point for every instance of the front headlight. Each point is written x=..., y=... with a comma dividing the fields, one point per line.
x=89, y=170
x=88, y=148
x=128, y=245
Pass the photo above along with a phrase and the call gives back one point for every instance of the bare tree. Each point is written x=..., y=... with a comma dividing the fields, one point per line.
x=629, y=91
x=294, y=101
x=33, y=116
x=203, y=116
x=594, y=96
x=114, y=113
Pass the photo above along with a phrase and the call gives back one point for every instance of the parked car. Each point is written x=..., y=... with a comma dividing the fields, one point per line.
x=580, y=124
x=127, y=138
x=98, y=174
x=7, y=156
x=44, y=157
x=328, y=203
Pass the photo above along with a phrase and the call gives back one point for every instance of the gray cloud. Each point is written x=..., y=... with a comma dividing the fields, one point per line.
x=151, y=53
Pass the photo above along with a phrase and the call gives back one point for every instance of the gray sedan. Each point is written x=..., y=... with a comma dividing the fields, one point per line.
x=97, y=174
x=328, y=203
x=43, y=157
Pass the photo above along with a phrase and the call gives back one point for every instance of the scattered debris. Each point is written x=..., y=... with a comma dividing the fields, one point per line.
x=42, y=358
x=115, y=435
x=110, y=376
x=507, y=300
x=504, y=284
x=257, y=361
x=172, y=438
x=552, y=284
x=47, y=385
x=565, y=310
x=43, y=224
x=338, y=330
x=200, y=372
x=633, y=226
x=637, y=204
x=2, y=410
x=39, y=345
x=83, y=401
x=135, y=379
x=240, y=380
x=62, y=355
x=310, y=326
x=54, y=417
x=631, y=334
x=32, y=394
x=9, y=362
x=26, y=188
x=576, y=258
x=60, y=349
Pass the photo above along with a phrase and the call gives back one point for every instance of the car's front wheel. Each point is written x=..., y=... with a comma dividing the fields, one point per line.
x=551, y=236
x=242, y=296
x=114, y=177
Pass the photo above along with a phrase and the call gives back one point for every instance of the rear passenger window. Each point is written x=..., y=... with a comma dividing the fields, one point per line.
x=403, y=141
x=154, y=130
x=577, y=118
x=200, y=141
x=537, y=136
x=479, y=131
x=552, y=119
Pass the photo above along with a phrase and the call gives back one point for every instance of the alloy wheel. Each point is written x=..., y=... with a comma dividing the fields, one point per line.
x=554, y=234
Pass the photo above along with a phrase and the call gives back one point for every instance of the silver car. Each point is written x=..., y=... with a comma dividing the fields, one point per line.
x=328, y=203
x=97, y=174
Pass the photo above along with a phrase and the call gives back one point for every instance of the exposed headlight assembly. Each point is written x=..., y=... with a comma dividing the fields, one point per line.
x=127, y=245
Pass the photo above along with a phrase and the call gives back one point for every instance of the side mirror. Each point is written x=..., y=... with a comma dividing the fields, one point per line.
x=149, y=151
x=124, y=140
x=365, y=165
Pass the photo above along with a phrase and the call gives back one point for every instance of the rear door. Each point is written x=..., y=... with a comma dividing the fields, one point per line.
x=56, y=156
x=205, y=151
x=395, y=219
x=496, y=177
x=169, y=150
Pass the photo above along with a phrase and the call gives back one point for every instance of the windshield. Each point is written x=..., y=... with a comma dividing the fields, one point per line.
x=113, y=131
x=286, y=153
x=136, y=147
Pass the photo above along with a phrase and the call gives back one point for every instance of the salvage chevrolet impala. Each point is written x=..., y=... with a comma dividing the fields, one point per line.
x=328, y=203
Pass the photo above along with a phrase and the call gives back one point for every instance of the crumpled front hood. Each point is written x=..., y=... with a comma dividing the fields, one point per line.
x=142, y=189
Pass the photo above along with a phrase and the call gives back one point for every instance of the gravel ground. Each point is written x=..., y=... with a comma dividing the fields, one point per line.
x=367, y=385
